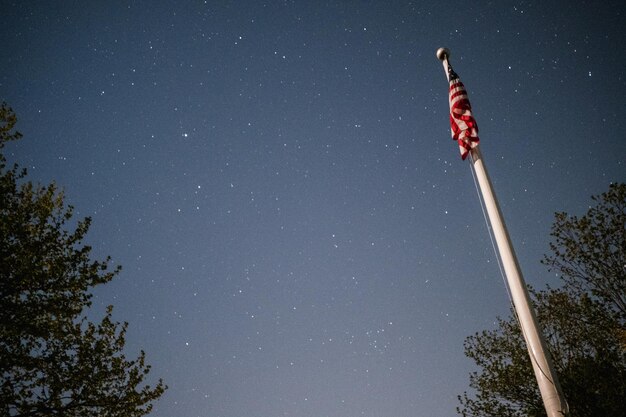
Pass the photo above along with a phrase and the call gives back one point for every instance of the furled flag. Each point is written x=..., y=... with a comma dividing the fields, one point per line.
x=462, y=124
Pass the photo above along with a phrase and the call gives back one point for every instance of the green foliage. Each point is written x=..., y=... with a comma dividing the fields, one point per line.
x=52, y=360
x=583, y=323
x=7, y=123
x=590, y=251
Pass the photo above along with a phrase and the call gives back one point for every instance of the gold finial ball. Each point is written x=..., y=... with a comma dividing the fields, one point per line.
x=443, y=53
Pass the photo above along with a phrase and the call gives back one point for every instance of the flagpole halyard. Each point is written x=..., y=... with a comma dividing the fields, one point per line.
x=551, y=392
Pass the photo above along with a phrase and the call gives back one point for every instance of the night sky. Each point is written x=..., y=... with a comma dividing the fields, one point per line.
x=298, y=234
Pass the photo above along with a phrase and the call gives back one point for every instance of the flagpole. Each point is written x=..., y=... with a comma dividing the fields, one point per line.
x=551, y=392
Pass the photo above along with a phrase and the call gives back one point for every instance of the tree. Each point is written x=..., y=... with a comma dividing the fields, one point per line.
x=53, y=361
x=583, y=322
x=590, y=251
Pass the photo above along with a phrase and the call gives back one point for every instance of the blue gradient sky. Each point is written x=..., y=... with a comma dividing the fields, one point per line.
x=298, y=233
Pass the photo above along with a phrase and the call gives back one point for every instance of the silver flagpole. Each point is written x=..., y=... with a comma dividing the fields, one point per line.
x=551, y=392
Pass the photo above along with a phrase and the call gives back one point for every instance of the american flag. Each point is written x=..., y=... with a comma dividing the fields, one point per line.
x=462, y=124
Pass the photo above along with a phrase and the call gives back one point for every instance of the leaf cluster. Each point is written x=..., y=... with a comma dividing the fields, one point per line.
x=53, y=361
x=589, y=251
